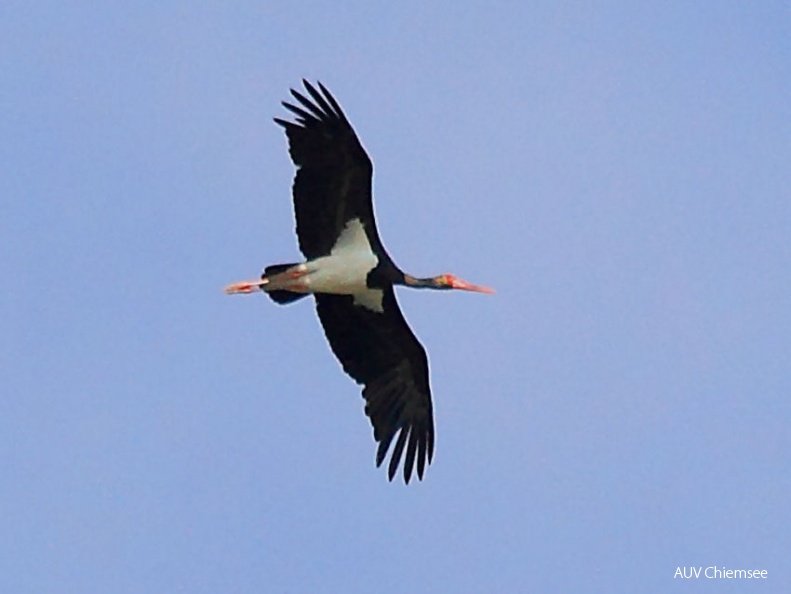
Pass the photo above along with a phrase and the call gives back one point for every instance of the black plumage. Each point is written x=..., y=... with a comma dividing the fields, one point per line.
x=377, y=349
x=352, y=277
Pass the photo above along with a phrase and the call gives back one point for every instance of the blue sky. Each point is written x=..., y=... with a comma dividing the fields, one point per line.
x=618, y=171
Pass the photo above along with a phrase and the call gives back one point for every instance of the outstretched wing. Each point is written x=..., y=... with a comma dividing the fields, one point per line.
x=379, y=350
x=333, y=181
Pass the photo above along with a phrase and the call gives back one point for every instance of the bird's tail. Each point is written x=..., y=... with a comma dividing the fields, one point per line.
x=281, y=296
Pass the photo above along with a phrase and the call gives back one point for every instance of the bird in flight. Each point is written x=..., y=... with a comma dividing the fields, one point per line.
x=351, y=277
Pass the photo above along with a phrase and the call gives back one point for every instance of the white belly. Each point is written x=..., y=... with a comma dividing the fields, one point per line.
x=342, y=274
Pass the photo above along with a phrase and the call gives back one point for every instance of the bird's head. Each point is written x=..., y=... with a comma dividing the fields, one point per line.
x=450, y=281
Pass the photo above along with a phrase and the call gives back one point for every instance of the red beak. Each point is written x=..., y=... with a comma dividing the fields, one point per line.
x=457, y=283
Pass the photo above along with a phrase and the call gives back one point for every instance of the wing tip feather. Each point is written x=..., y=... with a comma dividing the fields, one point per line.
x=419, y=452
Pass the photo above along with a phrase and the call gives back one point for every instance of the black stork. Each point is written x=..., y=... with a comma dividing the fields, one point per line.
x=351, y=277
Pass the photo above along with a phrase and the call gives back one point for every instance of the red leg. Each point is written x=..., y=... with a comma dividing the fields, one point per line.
x=245, y=287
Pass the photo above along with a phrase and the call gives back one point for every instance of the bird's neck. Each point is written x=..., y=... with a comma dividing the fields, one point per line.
x=421, y=283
